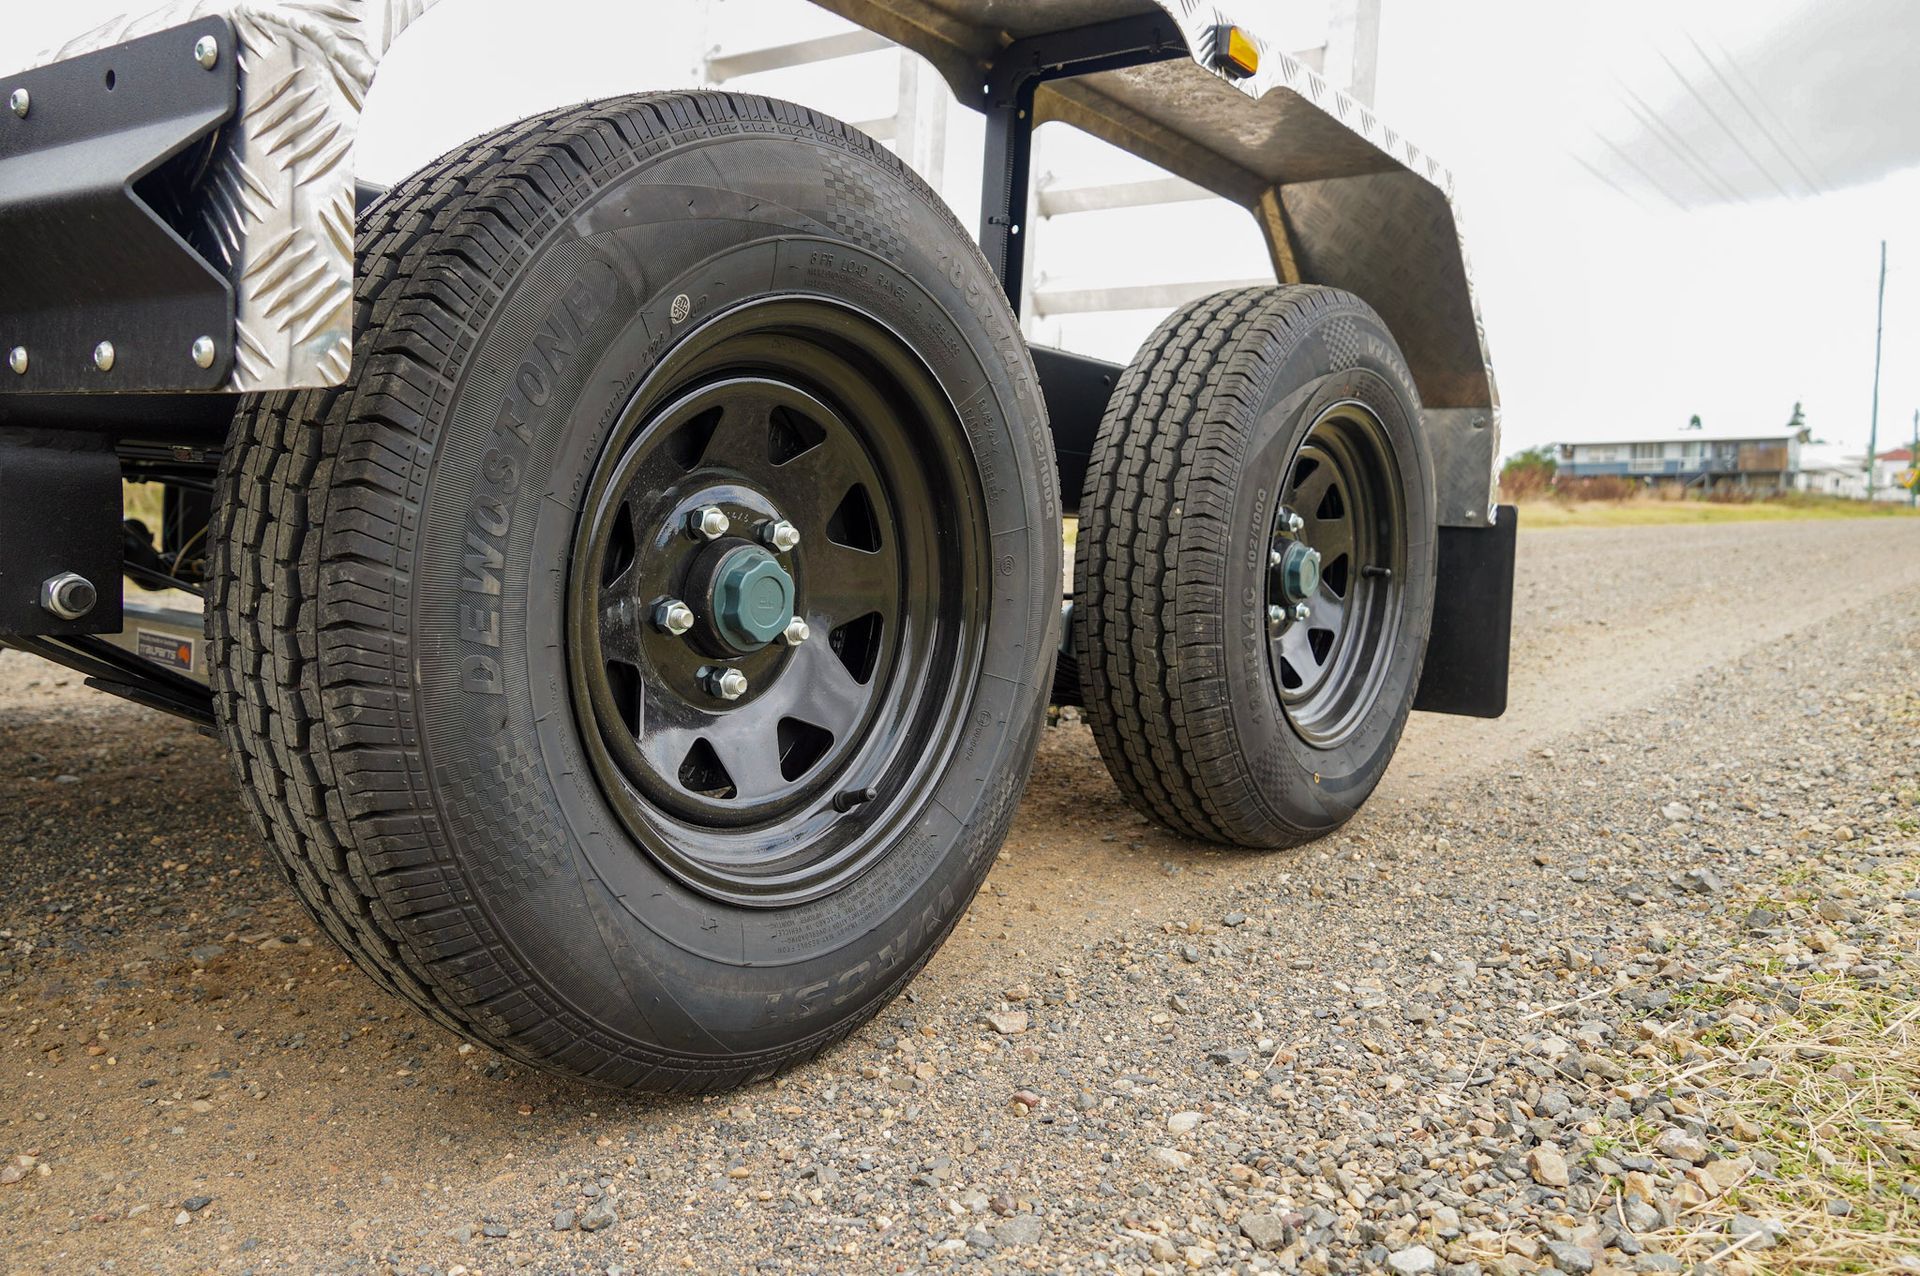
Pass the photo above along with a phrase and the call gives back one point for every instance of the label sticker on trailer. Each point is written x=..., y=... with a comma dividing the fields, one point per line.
x=170, y=650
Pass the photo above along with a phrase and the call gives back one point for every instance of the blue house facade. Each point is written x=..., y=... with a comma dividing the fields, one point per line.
x=1689, y=458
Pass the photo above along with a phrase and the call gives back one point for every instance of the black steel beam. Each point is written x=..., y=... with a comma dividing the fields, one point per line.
x=1006, y=98
x=60, y=511
x=99, y=290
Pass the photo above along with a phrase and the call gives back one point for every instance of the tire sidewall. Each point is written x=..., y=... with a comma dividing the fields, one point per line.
x=600, y=927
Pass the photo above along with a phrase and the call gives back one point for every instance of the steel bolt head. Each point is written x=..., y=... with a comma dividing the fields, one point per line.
x=203, y=351
x=206, y=51
x=672, y=616
x=1295, y=523
x=17, y=359
x=1301, y=612
x=709, y=522
x=1276, y=615
x=780, y=534
x=20, y=101
x=727, y=684
x=796, y=632
x=103, y=356
x=68, y=595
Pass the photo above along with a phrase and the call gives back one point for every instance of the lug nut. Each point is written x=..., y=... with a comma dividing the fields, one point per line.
x=1301, y=613
x=20, y=102
x=672, y=616
x=1276, y=616
x=68, y=595
x=780, y=534
x=796, y=632
x=727, y=684
x=709, y=522
x=17, y=359
x=206, y=51
x=1295, y=523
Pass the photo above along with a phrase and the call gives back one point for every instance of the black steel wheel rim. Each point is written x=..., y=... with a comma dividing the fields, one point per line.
x=1341, y=499
x=807, y=414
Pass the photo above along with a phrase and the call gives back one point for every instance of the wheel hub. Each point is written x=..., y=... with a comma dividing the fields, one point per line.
x=751, y=600
x=1338, y=548
x=1299, y=572
x=765, y=608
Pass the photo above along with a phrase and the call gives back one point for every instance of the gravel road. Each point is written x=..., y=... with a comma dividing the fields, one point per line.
x=1395, y=1049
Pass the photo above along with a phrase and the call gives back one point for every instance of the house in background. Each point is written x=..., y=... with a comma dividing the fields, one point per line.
x=1756, y=460
x=1827, y=469
x=1890, y=471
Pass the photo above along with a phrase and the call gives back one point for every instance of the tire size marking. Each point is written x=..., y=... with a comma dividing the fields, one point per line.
x=783, y=1007
x=1253, y=625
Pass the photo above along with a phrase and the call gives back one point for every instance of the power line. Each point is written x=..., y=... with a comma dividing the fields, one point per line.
x=1786, y=128
x=1707, y=106
x=1757, y=121
x=1645, y=176
x=1674, y=142
x=1612, y=185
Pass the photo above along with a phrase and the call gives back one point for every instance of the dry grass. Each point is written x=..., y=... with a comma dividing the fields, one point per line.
x=143, y=501
x=1829, y=1089
x=1648, y=512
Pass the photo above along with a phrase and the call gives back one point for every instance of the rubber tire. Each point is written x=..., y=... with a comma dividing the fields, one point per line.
x=1181, y=477
x=454, y=843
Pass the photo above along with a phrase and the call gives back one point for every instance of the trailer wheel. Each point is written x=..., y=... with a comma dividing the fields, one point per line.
x=637, y=661
x=1255, y=566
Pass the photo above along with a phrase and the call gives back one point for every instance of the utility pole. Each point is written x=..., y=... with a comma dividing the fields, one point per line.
x=1879, y=319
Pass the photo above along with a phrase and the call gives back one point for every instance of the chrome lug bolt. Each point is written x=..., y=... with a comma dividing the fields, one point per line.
x=726, y=684
x=1301, y=612
x=671, y=616
x=1276, y=616
x=780, y=535
x=796, y=632
x=1295, y=523
x=68, y=595
x=709, y=522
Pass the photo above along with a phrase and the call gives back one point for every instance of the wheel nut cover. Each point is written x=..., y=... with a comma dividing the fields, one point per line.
x=752, y=598
x=1300, y=571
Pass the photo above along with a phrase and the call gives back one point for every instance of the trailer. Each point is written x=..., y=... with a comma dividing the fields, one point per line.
x=623, y=561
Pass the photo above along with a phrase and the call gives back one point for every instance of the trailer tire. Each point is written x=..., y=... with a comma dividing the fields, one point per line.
x=495, y=771
x=1213, y=717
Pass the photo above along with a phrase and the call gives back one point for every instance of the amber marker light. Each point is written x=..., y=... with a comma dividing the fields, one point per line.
x=1236, y=52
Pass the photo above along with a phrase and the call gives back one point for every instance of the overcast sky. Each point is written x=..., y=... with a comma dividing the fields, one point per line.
x=1672, y=209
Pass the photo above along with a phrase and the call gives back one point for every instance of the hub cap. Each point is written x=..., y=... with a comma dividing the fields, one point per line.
x=1344, y=565
x=752, y=599
x=839, y=594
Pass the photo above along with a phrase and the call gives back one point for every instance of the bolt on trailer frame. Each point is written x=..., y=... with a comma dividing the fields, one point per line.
x=177, y=205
